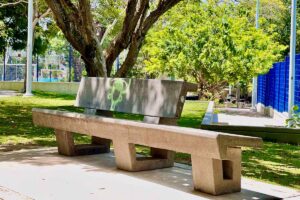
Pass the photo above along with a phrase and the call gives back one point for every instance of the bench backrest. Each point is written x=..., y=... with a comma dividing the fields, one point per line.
x=156, y=98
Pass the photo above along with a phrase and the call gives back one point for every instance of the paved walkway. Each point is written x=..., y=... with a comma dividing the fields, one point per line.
x=42, y=174
x=8, y=93
x=245, y=117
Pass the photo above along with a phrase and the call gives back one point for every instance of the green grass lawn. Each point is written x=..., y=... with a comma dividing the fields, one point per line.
x=274, y=163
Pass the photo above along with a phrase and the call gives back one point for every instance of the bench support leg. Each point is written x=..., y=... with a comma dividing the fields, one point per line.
x=218, y=176
x=65, y=143
x=67, y=147
x=126, y=158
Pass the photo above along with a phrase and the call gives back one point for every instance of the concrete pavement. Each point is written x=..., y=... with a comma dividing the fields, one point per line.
x=245, y=117
x=42, y=174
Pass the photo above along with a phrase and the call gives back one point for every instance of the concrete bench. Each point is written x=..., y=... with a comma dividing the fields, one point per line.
x=216, y=157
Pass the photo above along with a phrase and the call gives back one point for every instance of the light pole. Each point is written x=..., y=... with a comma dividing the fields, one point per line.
x=292, y=60
x=254, y=81
x=37, y=68
x=29, y=50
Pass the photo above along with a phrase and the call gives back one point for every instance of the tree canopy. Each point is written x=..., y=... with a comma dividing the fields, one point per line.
x=213, y=44
x=210, y=42
x=13, y=26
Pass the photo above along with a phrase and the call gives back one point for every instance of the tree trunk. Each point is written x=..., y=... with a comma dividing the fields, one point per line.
x=76, y=22
x=25, y=78
x=78, y=68
x=238, y=93
x=94, y=62
x=131, y=57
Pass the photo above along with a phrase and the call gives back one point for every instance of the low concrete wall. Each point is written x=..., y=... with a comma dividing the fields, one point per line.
x=269, y=111
x=273, y=134
x=209, y=115
x=63, y=88
x=8, y=85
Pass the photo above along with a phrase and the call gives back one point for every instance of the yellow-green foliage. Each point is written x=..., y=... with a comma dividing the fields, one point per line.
x=209, y=41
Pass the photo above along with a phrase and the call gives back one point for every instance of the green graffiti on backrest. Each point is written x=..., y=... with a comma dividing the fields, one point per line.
x=117, y=91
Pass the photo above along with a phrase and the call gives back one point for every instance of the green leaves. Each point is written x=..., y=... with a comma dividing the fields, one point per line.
x=209, y=43
x=13, y=27
x=295, y=120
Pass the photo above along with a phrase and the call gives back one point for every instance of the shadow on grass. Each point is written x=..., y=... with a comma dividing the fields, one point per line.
x=275, y=163
x=16, y=127
x=52, y=95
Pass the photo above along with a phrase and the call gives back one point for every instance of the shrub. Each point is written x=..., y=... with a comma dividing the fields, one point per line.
x=295, y=120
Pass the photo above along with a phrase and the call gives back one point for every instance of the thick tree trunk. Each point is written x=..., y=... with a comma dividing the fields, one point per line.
x=94, y=62
x=75, y=21
x=138, y=37
x=77, y=25
x=238, y=93
x=78, y=68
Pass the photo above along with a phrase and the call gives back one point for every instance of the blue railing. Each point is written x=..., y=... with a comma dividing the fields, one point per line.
x=273, y=87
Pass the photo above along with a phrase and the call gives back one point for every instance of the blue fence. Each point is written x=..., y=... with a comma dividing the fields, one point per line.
x=273, y=87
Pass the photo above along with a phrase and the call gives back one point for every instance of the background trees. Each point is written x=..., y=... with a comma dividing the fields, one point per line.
x=78, y=24
x=213, y=44
x=210, y=42
x=13, y=27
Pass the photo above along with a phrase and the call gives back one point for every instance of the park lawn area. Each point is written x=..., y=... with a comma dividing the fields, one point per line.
x=16, y=126
x=274, y=163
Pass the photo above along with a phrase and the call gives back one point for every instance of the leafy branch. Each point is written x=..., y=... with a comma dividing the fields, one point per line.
x=295, y=120
x=12, y=3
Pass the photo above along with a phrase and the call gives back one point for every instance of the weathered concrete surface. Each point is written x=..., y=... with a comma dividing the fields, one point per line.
x=217, y=155
x=42, y=174
x=239, y=117
x=245, y=117
x=160, y=98
x=250, y=123
x=187, y=140
x=160, y=101
x=209, y=114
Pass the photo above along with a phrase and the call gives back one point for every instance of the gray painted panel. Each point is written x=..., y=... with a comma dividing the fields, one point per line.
x=147, y=97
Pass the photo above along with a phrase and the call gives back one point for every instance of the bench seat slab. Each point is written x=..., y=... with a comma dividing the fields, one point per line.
x=216, y=157
x=216, y=176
